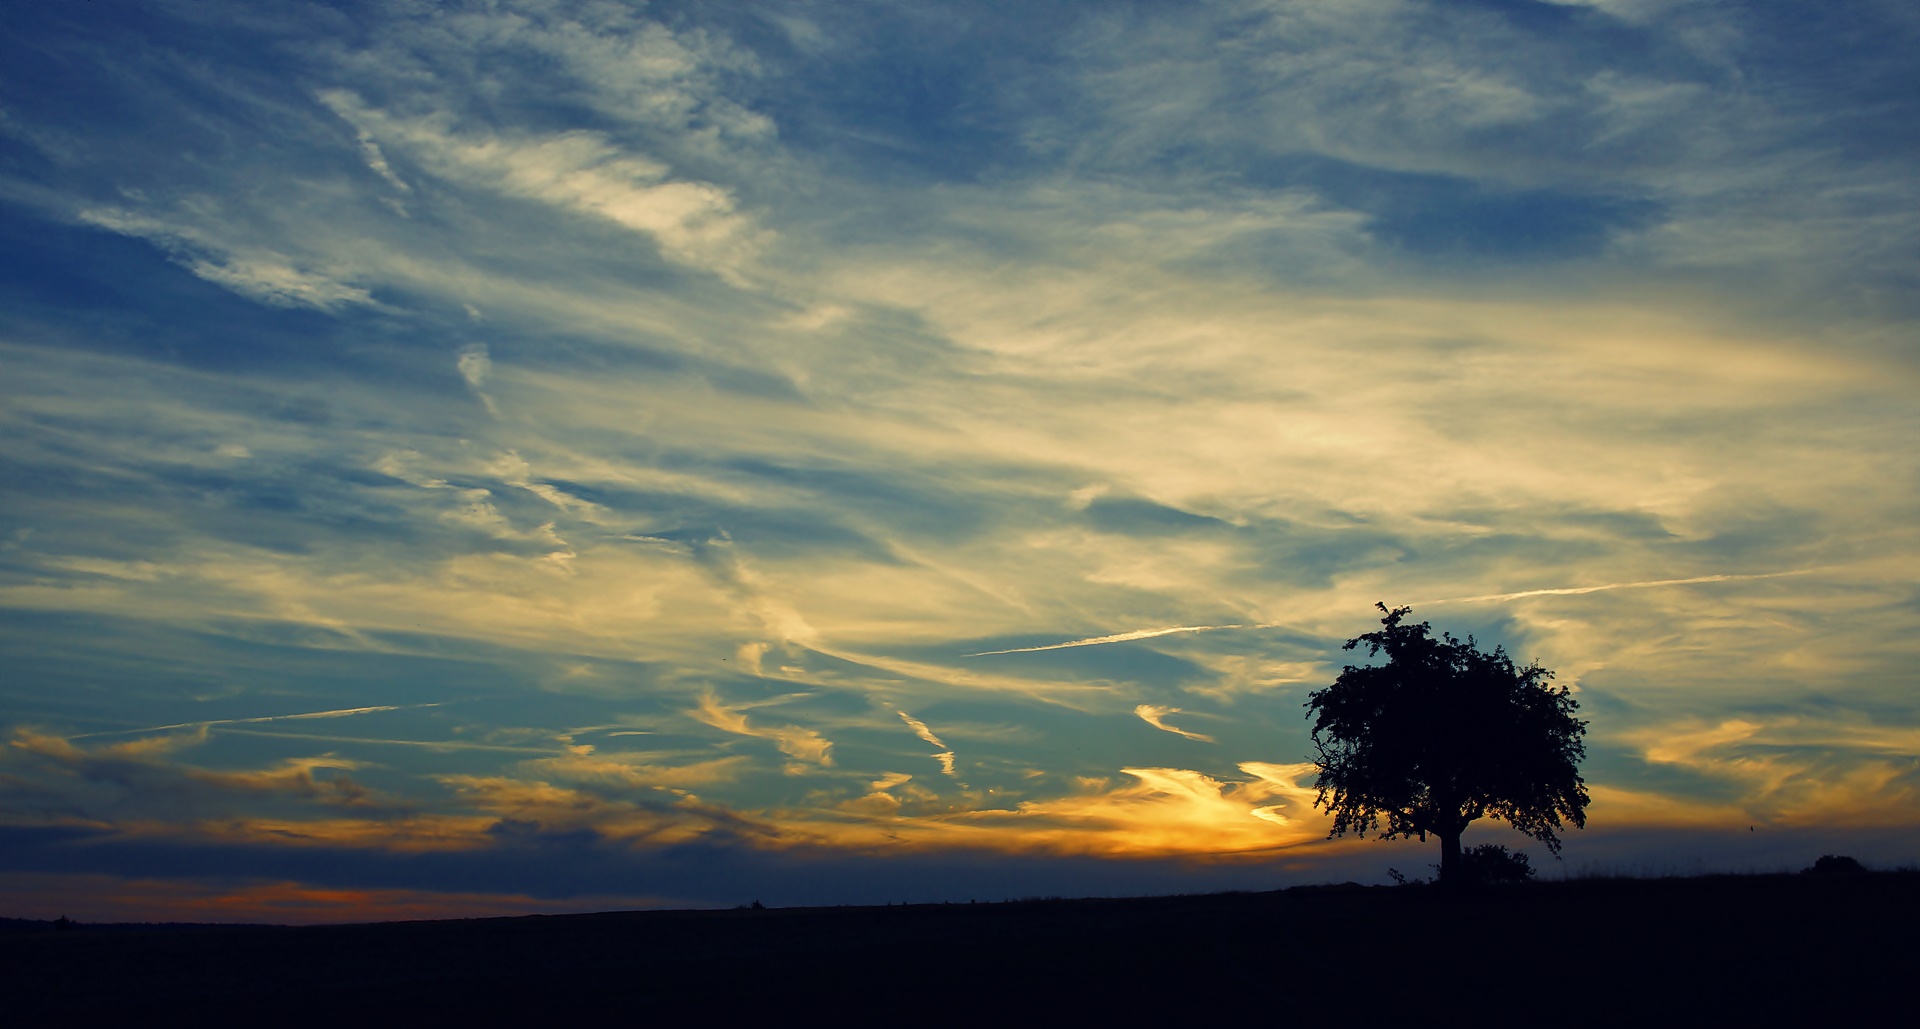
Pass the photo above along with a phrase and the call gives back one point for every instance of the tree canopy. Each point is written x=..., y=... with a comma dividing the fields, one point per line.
x=1443, y=734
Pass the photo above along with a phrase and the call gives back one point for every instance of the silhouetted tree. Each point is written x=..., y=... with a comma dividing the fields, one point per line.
x=1441, y=735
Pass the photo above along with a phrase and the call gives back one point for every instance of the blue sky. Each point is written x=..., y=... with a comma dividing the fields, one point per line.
x=491, y=457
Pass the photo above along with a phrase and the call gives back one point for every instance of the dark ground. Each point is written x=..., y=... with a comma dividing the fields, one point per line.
x=1768, y=949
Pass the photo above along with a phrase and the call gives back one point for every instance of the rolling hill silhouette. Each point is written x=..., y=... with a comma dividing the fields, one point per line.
x=1574, y=952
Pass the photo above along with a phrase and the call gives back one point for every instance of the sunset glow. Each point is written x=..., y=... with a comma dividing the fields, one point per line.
x=527, y=456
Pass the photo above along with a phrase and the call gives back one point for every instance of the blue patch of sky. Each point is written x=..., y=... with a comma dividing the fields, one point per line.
x=1310, y=556
x=1133, y=516
x=191, y=95
x=916, y=501
x=122, y=672
x=1847, y=66
x=1638, y=526
x=1449, y=216
x=1542, y=549
x=78, y=287
x=772, y=533
x=912, y=92
x=306, y=502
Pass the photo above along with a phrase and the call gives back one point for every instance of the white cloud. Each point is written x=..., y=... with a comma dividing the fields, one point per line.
x=1572, y=591
x=250, y=271
x=920, y=729
x=377, y=161
x=1118, y=637
x=801, y=744
x=694, y=222
x=1155, y=715
x=475, y=364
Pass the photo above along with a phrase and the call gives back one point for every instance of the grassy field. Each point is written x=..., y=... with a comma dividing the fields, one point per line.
x=1709, y=950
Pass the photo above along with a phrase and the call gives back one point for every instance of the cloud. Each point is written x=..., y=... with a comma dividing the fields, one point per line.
x=377, y=161
x=637, y=770
x=346, y=712
x=254, y=272
x=694, y=222
x=1283, y=781
x=946, y=757
x=1169, y=810
x=795, y=742
x=920, y=729
x=1120, y=637
x=1570, y=591
x=1155, y=714
x=1787, y=770
x=136, y=783
x=475, y=365
x=296, y=775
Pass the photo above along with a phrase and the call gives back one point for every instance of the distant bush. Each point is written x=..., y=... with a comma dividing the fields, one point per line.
x=1493, y=864
x=1836, y=864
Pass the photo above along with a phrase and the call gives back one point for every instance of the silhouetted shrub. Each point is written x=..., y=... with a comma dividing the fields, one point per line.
x=1493, y=864
x=1836, y=864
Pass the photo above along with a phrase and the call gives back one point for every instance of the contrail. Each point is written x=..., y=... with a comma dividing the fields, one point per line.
x=1564, y=591
x=429, y=744
x=1568, y=591
x=336, y=713
x=1119, y=637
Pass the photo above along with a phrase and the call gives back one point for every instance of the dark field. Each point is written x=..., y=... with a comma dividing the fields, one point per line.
x=1767, y=949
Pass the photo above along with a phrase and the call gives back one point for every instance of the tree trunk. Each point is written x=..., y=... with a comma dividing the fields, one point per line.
x=1450, y=869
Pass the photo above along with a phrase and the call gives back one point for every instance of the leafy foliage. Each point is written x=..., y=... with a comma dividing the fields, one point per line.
x=1836, y=864
x=1443, y=734
x=1493, y=864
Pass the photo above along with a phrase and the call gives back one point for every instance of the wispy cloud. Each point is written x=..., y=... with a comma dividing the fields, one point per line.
x=1143, y=634
x=1570, y=591
x=1155, y=715
x=254, y=271
x=946, y=757
x=345, y=712
x=920, y=729
x=801, y=744
x=442, y=745
x=694, y=222
x=1119, y=637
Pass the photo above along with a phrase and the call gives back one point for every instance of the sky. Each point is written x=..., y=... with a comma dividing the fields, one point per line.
x=533, y=456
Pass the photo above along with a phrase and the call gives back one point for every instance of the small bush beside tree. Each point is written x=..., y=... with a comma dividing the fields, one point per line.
x=1494, y=865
